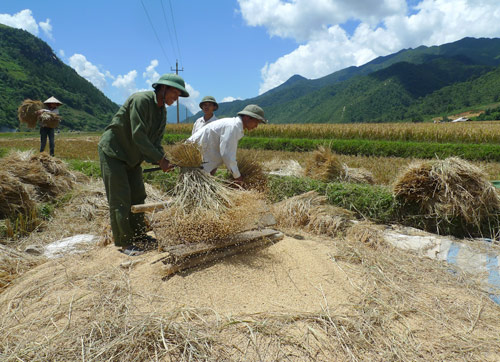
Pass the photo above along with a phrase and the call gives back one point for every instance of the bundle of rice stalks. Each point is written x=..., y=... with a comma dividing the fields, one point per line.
x=14, y=197
x=254, y=177
x=323, y=165
x=49, y=119
x=203, y=208
x=357, y=175
x=185, y=155
x=27, y=112
x=311, y=212
x=447, y=190
x=49, y=177
x=367, y=233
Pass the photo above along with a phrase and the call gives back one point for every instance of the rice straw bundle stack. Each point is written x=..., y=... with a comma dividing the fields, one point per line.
x=323, y=165
x=14, y=196
x=203, y=208
x=49, y=119
x=49, y=177
x=254, y=177
x=311, y=212
x=27, y=112
x=450, y=189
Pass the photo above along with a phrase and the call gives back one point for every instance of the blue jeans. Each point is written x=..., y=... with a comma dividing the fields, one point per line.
x=44, y=132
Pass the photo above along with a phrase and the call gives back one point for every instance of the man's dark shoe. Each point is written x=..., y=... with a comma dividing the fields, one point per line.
x=132, y=250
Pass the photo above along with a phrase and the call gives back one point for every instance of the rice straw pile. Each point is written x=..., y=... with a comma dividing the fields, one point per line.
x=254, y=177
x=203, y=208
x=447, y=190
x=311, y=212
x=49, y=176
x=27, y=112
x=323, y=165
x=14, y=196
x=49, y=119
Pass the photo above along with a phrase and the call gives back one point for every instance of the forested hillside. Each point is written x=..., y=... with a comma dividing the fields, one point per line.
x=410, y=85
x=30, y=69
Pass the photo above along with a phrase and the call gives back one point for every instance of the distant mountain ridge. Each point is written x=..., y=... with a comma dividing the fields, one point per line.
x=30, y=69
x=404, y=86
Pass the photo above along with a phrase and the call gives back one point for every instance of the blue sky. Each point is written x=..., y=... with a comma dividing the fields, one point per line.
x=238, y=49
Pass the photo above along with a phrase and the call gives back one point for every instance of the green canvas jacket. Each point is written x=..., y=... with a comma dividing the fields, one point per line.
x=136, y=131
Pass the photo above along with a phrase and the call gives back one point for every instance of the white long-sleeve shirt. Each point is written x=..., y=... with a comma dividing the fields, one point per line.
x=200, y=122
x=219, y=143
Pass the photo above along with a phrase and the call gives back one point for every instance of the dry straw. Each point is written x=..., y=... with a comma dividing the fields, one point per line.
x=254, y=177
x=48, y=176
x=323, y=165
x=49, y=119
x=14, y=196
x=311, y=212
x=448, y=189
x=27, y=112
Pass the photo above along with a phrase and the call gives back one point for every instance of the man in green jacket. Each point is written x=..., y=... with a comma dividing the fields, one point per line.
x=133, y=136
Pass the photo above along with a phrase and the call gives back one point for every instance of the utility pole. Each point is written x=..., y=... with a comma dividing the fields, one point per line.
x=177, y=72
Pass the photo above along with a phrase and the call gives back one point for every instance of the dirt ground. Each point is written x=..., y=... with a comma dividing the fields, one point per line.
x=304, y=298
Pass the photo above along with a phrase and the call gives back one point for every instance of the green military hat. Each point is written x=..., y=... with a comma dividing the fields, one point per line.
x=254, y=111
x=211, y=100
x=173, y=80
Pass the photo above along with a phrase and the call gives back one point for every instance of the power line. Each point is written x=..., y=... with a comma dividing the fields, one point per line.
x=175, y=31
x=157, y=38
x=166, y=25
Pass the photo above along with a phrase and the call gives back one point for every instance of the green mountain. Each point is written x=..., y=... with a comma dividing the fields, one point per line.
x=409, y=85
x=30, y=69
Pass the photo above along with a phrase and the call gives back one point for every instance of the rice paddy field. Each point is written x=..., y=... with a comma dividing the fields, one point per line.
x=333, y=289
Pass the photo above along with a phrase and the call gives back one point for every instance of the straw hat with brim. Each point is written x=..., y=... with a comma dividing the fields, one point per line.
x=211, y=100
x=253, y=111
x=53, y=100
x=173, y=80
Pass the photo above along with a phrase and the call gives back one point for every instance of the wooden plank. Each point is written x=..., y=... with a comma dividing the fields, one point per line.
x=155, y=206
x=183, y=251
x=199, y=260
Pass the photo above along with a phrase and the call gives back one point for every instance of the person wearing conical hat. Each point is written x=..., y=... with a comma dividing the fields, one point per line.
x=219, y=139
x=52, y=105
x=208, y=105
x=133, y=136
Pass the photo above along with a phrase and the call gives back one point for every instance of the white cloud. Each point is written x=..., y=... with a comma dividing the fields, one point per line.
x=191, y=102
x=87, y=70
x=151, y=75
x=386, y=27
x=301, y=19
x=61, y=53
x=47, y=28
x=126, y=83
x=229, y=99
x=21, y=20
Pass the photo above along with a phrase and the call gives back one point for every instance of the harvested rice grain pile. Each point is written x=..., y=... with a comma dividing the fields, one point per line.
x=311, y=212
x=27, y=112
x=203, y=208
x=448, y=191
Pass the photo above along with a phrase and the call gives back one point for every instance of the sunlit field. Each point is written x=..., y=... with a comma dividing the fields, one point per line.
x=83, y=146
x=462, y=132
